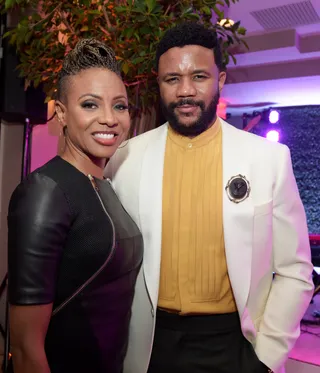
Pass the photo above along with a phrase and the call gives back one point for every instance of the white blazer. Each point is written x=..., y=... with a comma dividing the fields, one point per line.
x=265, y=233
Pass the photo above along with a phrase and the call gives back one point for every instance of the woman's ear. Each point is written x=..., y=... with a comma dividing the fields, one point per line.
x=61, y=113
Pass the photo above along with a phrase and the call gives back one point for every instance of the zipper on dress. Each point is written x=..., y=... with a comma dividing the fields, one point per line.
x=68, y=300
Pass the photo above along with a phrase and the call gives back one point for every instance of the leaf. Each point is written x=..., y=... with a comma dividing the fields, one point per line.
x=242, y=31
x=140, y=5
x=154, y=24
x=138, y=11
x=218, y=12
x=145, y=30
x=188, y=11
x=128, y=32
x=137, y=36
x=137, y=60
x=151, y=5
x=8, y=33
x=141, y=18
x=125, y=68
x=9, y=3
x=157, y=9
x=206, y=10
x=37, y=81
x=84, y=28
x=193, y=16
x=28, y=37
x=13, y=39
x=235, y=26
x=86, y=2
x=120, y=9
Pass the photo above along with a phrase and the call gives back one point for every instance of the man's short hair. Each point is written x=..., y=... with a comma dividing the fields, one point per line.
x=191, y=33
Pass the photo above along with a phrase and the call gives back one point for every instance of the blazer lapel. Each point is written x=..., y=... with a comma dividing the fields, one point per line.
x=150, y=207
x=237, y=217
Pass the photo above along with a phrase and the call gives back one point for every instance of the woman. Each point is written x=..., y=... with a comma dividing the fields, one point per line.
x=74, y=253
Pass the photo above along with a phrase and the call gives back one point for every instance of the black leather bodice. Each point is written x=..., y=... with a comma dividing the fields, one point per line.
x=63, y=233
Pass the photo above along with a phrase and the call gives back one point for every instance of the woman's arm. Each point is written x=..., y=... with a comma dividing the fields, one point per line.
x=28, y=326
x=38, y=223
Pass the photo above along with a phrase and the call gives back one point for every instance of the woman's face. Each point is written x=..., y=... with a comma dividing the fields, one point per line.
x=94, y=112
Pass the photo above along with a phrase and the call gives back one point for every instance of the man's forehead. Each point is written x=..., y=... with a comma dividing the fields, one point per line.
x=187, y=58
x=195, y=50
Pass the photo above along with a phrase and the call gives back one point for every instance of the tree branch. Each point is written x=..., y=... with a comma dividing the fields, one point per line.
x=135, y=83
x=66, y=23
x=47, y=16
x=104, y=30
x=104, y=10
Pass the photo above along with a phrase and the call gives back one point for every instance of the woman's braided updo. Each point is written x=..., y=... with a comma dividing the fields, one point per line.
x=88, y=53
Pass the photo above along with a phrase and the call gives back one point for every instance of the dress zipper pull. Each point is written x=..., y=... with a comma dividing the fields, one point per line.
x=93, y=182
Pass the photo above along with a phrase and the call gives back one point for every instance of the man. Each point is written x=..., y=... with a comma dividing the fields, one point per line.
x=219, y=209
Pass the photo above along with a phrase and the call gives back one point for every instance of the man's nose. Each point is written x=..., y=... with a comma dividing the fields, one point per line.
x=186, y=88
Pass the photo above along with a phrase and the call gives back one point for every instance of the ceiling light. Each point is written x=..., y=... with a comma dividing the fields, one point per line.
x=226, y=22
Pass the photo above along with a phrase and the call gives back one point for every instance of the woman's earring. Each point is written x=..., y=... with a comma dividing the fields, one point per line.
x=62, y=139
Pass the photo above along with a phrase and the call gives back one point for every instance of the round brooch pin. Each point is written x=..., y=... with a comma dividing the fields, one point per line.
x=238, y=188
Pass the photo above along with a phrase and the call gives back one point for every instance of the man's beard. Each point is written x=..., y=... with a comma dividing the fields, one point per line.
x=200, y=125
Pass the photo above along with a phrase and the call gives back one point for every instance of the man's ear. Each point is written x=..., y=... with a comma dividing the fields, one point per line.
x=222, y=79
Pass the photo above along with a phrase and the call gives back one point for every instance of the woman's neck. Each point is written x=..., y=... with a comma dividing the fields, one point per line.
x=84, y=163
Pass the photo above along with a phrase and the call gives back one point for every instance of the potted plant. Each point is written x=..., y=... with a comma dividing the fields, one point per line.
x=47, y=29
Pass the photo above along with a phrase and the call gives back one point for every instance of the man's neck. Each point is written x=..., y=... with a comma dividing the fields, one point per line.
x=193, y=136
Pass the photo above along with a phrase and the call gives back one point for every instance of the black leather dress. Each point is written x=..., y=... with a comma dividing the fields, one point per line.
x=69, y=235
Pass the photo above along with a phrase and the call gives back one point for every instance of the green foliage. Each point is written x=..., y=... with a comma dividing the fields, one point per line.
x=48, y=29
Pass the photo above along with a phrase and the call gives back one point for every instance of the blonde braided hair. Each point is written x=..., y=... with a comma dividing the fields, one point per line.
x=88, y=53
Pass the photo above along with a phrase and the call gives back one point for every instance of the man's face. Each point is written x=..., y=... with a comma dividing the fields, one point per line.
x=190, y=85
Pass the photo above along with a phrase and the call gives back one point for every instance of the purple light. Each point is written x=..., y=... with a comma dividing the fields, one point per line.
x=273, y=136
x=274, y=116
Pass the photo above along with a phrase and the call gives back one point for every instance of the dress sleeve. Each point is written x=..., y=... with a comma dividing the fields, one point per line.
x=39, y=219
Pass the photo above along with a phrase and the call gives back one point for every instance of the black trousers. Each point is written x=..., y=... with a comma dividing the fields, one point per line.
x=202, y=344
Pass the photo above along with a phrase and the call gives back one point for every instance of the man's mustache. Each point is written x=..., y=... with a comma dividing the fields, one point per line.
x=187, y=101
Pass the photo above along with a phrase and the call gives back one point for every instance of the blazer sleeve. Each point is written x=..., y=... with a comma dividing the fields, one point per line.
x=39, y=219
x=292, y=287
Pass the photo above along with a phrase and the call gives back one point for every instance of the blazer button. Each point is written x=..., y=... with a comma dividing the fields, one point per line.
x=152, y=312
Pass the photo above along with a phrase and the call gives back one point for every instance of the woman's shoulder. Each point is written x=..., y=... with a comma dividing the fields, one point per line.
x=58, y=169
x=62, y=173
x=39, y=185
x=59, y=178
x=56, y=177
